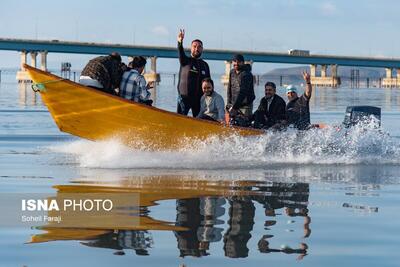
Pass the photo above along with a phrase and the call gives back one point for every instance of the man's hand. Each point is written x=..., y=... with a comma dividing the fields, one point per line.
x=181, y=35
x=306, y=77
x=233, y=112
x=150, y=85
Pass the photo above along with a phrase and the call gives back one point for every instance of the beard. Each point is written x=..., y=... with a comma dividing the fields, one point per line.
x=196, y=55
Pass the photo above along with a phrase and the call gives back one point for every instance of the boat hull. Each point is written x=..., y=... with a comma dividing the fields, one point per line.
x=91, y=114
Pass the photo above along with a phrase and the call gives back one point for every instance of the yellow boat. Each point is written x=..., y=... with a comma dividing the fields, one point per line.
x=94, y=115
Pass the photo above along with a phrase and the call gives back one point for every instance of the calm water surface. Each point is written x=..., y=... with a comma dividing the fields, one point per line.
x=322, y=199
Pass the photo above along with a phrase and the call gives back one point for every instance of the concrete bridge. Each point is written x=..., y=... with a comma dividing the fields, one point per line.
x=43, y=47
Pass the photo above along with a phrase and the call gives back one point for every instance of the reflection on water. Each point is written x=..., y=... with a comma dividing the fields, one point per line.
x=207, y=211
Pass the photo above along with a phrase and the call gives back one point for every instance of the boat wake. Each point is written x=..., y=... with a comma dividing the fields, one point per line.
x=362, y=144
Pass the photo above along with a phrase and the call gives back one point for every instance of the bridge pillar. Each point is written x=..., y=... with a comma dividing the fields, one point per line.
x=22, y=75
x=389, y=81
x=23, y=60
x=324, y=80
x=43, y=61
x=225, y=77
x=33, y=58
x=334, y=70
x=152, y=76
x=313, y=70
x=323, y=70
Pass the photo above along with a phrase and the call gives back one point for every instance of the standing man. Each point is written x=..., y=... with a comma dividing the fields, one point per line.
x=241, y=89
x=298, y=108
x=212, y=106
x=271, y=111
x=191, y=72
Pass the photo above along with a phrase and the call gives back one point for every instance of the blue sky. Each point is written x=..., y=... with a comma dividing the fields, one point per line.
x=357, y=27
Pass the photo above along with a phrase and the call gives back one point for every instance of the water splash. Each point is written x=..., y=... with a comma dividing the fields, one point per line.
x=362, y=144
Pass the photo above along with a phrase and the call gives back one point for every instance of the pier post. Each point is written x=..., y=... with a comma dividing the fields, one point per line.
x=225, y=77
x=43, y=61
x=152, y=76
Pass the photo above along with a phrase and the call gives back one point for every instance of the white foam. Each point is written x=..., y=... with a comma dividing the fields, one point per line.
x=363, y=143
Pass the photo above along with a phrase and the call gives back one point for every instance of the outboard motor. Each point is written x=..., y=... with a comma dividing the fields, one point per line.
x=355, y=114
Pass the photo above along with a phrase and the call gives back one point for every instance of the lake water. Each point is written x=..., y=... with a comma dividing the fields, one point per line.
x=318, y=199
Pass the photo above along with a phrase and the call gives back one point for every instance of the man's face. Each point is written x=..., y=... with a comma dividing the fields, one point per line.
x=196, y=49
x=237, y=64
x=291, y=95
x=207, y=88
x=269, y=91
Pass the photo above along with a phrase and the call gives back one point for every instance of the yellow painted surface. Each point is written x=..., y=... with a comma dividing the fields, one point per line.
x=94, y=115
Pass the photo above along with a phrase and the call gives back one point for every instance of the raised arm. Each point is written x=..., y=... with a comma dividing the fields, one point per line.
x=183, y=59
x=307, y=79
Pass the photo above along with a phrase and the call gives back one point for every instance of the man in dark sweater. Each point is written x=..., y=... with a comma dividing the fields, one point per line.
x=192, y=71
x=271, y=111
x=240, y=89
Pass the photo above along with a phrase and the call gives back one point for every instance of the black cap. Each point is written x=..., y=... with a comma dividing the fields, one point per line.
x=238, y=57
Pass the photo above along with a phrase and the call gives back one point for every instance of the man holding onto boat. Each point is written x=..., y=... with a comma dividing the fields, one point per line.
x=298, y=109
x=104, y=73
x=212, y=106
x=133, y=85
x=191, y=73
x=271, y=111
x=241, y=90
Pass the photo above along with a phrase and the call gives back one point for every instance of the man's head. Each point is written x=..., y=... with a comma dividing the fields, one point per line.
x=116, y=56
x=138, y=63
x=270, y=89
x=291, y=92
x=197, y=48
x=208, y=86
x=237, y=62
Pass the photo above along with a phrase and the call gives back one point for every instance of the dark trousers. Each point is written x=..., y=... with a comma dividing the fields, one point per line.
x=185, y=104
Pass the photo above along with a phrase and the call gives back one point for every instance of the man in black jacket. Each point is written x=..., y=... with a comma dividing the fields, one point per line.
x=271, y=111
x=240, y=89
x=192, y=71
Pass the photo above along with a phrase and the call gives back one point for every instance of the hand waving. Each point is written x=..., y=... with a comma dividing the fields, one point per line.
x=306, y=77
x=181, y=35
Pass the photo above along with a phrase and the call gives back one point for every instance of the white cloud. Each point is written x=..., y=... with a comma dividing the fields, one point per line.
x=328, y=8
x=160, y=30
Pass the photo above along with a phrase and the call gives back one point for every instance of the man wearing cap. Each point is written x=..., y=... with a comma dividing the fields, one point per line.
x=271, y=111
x=240, y=89
x=191, y=72
x=298, y=109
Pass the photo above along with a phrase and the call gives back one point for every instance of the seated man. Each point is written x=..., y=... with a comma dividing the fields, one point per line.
x=211, y=103
x=103, y=73
x=133, y=85
x=271, y=111
x=298, y=109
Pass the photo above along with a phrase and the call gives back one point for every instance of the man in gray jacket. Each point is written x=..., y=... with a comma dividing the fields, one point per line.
x=211, y=104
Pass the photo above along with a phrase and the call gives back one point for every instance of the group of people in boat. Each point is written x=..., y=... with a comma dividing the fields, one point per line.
x=196, y=90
